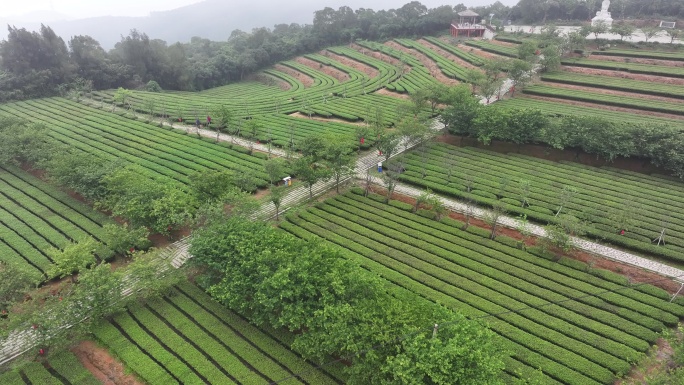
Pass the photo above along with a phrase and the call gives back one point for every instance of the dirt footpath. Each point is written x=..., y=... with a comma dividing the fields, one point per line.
x=102, y=365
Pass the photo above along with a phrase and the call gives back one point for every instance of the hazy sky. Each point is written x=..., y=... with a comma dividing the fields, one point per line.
x=90, y=8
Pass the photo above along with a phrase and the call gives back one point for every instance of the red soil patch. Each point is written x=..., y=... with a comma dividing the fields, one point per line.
x=624, y=75
x=605, y=107
x=503, y=43
x=160, y=241
x=427, y=63
x=102, y=365
x=386, y=92
x=365, y=68
x=320, y=119
x=634, y=274
x=376, y=55
x=304, y=78
x=606, y=91
x=476, y=51
x=619, y=59
x=448, y=55
x=326, y=69
x=261, y=193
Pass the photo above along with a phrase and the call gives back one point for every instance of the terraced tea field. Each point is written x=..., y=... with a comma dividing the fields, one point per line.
x=558, y=108
x=635, y=102
x=601, y=193
x=327, y=96
x=164, y=153
x=596, y=327
x=35, y=216
x=63, y=368
x=618, y=84
x=188, y=338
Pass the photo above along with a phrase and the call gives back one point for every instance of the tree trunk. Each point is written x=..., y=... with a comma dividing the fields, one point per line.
x=493, y=235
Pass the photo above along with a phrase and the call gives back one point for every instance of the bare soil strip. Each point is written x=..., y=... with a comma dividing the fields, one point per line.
x=357, y=65
x=320, y=119
x=304, y=78
x=386, y=92
x=427, y=62
x=448, y=55
x=624, y=75
x=326, y=69
x=604, y=107
x=376, y=55
x=503, y=43
x=476, y=51
x=606, y=91
x=102, y=365
x=621, y=59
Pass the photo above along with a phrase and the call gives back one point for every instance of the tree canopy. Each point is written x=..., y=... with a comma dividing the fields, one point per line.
x=340, y=309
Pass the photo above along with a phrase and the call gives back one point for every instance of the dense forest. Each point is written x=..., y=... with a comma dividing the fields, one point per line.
x=37, y=64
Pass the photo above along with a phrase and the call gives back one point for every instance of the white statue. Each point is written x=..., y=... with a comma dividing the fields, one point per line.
x=603, y=16
x=605, y=5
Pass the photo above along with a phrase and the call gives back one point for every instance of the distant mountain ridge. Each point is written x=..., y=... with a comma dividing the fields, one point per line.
x=212, y=19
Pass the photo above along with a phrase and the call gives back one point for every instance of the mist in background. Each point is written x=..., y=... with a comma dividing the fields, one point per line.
x=179, y=20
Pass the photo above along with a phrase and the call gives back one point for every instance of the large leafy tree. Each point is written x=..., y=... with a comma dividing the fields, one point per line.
x=14, y=283
x=157, y=204
x=524, y=126
x=339, y=158
x=275, y=169
x=93, y=63
x=84, y=173
x=462, y=108
x=310, y=172
x=211, y=185
x=73, y=258
x=36, y=62
x=22, y=141
x=520, y=72
x=339, y=308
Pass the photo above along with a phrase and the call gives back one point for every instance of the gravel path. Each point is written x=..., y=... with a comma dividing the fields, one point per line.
x=301, y=193
x=582, y=244
x=19, y=342
x=22, y=341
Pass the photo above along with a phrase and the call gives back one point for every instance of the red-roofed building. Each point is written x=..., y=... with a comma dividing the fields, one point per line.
x=467, y=25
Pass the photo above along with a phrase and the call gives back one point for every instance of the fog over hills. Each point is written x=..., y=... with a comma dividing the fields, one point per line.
x=213, y=19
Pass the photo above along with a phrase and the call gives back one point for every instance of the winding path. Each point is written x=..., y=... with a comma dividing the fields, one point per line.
x=538, y=231
x=22, y=341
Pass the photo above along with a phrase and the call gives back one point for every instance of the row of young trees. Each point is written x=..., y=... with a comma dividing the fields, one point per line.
x=68, y=311
x=608, y=139
x=126, y=190
x=338, y=309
